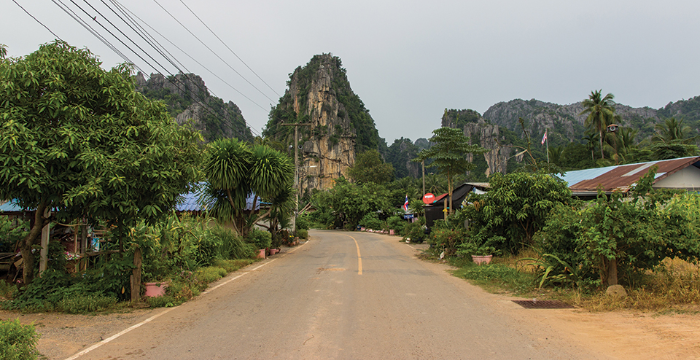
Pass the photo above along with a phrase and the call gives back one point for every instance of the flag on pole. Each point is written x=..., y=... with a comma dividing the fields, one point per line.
x=405, y=204
x=544, y=138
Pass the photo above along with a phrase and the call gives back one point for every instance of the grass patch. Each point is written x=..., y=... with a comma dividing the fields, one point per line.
x=81, y=304
x=498, y=278
x=162, y=301
x=233, y=265
x=210, y=274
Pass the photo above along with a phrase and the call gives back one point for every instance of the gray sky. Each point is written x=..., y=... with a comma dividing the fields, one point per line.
x=407, y=60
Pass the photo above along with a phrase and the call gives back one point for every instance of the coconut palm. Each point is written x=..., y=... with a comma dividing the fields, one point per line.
x=672, y=130
x=600, y=112
x=591, y=139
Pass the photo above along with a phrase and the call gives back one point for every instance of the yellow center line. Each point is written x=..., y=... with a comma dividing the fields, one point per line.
x=359, y=257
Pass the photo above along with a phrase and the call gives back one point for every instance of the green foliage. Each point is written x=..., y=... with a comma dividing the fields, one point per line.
x=414, y=231
x=619, y=238
x=399, y=155
x=446, y=239
x=600, y=112
x=371, y=221
x=449, y=154
x=260, y=238
x=235, y=171
x=81, y=304
x=303, y=234
x=499, y=275
x=233, y=265
x=302, y=223
x=162, y=301
x=516, y=207
x=11, y=232
x=348, y=203
x=210, y=273
x=80, y=140
x=396, y=223
x=17, y=341
x=369, y=167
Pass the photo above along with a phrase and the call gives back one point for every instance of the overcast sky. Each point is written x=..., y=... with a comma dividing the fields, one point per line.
x=407, y=60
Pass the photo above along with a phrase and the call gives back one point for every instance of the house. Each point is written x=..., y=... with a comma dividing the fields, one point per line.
x=681, y=173
x=434, y=211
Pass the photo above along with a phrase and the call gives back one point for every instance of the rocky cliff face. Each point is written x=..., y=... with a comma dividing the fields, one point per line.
x=339, y=125
x=187, y=98
x=486, y=135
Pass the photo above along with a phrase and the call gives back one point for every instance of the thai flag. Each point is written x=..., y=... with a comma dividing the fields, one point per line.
x=405, y=204
x=544, y=138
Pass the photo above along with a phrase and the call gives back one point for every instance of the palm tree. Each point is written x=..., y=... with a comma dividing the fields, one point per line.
x=600, y=112
x=672, y=130
x=591, y=139
x=556, y=155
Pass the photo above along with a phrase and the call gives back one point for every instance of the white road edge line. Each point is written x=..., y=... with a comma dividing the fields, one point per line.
x=295, y=249
x=93, y=347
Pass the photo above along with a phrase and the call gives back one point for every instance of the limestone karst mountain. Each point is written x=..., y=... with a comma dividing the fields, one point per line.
x=187, y=98
x=340, y=126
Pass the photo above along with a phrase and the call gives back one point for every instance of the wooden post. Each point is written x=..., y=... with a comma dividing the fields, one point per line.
x=136, y=276
x=44, y=253
x=83, y=246
x=444, y=211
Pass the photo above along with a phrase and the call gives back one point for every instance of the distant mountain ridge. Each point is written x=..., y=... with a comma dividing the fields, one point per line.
x=187, y=97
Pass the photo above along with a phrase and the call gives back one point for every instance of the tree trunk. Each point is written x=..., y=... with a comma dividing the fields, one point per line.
x=602, y=154
x=27, y=243
x=136, y=276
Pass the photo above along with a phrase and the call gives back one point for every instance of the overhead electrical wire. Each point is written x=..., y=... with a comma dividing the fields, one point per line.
x=212, y=51
x=95, y=33
x=229, y=49
x=37, y=20
x=161, y=50
x=189, y=56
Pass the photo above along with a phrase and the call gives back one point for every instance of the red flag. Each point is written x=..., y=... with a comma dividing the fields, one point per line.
x=544, y=138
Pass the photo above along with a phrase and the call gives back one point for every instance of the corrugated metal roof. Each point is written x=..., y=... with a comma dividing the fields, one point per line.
x=10, y=206
x=191, y=203
x=623, y=176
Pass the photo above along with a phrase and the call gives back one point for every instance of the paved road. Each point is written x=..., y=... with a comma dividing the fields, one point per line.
x=343, y=295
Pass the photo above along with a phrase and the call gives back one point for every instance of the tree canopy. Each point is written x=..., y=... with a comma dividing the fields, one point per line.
x=600, y=112
x=80, y=141
x=369, y=167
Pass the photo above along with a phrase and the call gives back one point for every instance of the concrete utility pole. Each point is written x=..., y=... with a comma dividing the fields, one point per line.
x=296, y=172
x=422, y=164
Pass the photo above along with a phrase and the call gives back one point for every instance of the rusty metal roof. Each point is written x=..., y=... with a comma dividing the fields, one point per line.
x=623, y=176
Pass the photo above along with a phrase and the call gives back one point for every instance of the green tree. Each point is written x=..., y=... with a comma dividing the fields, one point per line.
x=672, y=131
x=600, y=111
x=369, y=167
x=81, y=142
x=235, y=171
x=449, y=154
x=515, y=208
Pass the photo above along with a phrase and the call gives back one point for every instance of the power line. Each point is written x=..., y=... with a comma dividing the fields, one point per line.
x=161, y=52
x=212, y=51
x=99, y=36
x=89, y=28
x=232, y=52
x=37, y=20
x=192, y=58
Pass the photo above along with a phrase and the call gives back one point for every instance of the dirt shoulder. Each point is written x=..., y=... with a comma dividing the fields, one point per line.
x=618, y=334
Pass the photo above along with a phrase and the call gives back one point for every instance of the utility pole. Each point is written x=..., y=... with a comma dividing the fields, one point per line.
x=296, y=172
x=422, y=164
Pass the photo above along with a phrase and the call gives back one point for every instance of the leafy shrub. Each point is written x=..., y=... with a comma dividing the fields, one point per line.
x=446, y=239
x=11, y=232
x=81, y=304
x=395, y=223
x=232, y=246
x=302, y=223
x=371, y=221
x=7, y=289
x=303, y=234
x=414, y=231
x=17, y=341
x=261, y=239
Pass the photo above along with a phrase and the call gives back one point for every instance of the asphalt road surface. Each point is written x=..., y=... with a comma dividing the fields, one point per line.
x=343, y=295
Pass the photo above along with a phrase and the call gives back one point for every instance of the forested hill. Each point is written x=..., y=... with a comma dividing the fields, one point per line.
x=566, y=124
x=320, y=93
x=340, y=126
x=187, y=97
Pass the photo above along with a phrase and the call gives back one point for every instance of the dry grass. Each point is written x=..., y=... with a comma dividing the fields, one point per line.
x=673, y=286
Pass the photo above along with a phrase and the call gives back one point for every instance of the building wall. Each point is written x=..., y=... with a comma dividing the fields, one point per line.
x=688, y=178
